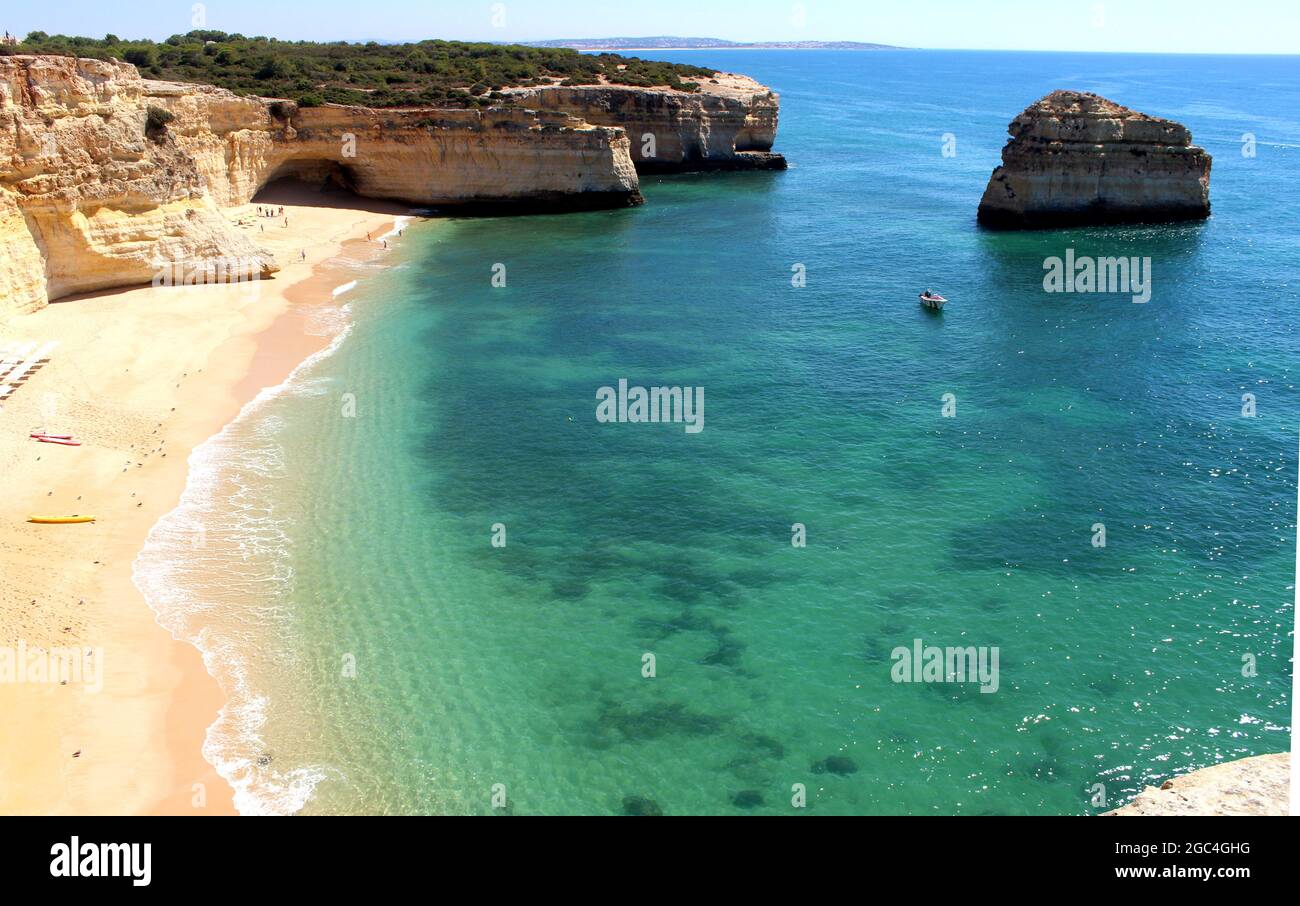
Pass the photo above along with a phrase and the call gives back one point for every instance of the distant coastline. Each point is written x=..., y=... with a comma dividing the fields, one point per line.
x=672, y=43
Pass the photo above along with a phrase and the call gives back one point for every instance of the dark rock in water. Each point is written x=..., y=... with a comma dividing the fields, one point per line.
x=541, y=202
x=640, y=806
x=993, y=605
x=655, y=722
x=570, y=590
x=740, y=161
x=264, y=759
x=836, y=764
x=727, y=653
x=1077, y=159
x=768, y=746
x=747, y=799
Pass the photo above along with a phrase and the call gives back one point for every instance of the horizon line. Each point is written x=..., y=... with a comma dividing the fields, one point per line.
x=577, y=44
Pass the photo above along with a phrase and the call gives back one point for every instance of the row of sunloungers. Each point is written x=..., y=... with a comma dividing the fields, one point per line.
x=18, y=362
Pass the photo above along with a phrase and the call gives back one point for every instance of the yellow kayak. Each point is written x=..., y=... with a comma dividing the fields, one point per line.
x=60, y=520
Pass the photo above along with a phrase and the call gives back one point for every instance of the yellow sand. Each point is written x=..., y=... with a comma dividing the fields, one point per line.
x=141, y=377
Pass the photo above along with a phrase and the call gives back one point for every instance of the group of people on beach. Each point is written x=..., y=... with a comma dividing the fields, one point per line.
x=270, y=213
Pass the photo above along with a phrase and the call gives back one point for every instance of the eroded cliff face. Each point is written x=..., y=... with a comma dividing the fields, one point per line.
x=87, y=201
x=730, y=124
x=505, y=159
x=1076, y=158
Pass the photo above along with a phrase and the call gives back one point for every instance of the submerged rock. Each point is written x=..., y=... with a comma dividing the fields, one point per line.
x=747, y=799
x=836, y=764
x=1076, y=158
x=640, y=806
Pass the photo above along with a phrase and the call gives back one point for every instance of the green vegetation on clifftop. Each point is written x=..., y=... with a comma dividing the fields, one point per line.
x=430, y=73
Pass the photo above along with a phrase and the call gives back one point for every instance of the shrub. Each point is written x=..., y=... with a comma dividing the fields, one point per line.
x=141, y=57
x=156, y=120
x=448, y=73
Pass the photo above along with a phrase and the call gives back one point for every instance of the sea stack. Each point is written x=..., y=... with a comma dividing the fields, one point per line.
x=1078, y=159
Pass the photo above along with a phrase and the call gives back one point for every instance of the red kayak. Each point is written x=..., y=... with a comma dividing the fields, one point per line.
x=36, y=435
x=49, y=439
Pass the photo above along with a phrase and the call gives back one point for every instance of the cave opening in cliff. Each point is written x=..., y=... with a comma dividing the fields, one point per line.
x=319, y=176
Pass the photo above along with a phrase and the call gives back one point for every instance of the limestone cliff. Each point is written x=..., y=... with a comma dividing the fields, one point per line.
x=1076, y=158
x=499, y=158
x=730, y=124
x=97, y=192
x=87, y=201
x=1251, y=786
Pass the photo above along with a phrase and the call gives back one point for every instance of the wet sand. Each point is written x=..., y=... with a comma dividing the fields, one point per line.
x=141, y=377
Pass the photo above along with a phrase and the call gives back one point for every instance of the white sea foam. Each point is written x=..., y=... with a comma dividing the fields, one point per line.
x=225, y=541
x=328, y=320
x=345, y=288
x=398, y=226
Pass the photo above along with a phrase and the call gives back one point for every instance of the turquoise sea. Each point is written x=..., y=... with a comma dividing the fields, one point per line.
x=382, y=656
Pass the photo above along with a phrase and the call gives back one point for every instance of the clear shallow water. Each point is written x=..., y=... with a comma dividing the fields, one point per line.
x=367, y=540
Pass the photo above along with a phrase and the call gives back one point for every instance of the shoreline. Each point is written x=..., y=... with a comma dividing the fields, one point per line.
x=136, y=746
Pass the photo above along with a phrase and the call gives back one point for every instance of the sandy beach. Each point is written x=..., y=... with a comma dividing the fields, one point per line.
x=141, y=377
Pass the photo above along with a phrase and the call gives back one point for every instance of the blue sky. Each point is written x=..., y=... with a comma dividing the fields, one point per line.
x=1169, y=26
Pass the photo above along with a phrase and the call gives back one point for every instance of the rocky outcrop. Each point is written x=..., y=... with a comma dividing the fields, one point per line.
x=87, y=201
x=730, y=124
x=1076, y=158
x=1251, y=786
